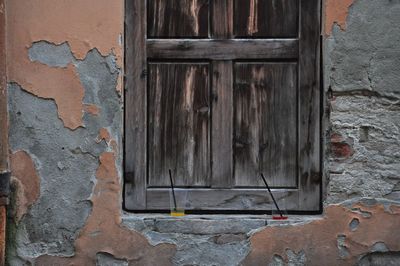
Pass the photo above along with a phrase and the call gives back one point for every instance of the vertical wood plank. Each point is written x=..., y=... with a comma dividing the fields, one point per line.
x=222, y=19
x=135, y=100
x=266, y=18
x=222, y=109
x=265, y=124
x=178, y=18
x=309, y=107
x=222, y=118
x=179, y=124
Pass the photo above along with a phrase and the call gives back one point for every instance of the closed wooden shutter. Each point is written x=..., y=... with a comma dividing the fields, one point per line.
x=219, y=91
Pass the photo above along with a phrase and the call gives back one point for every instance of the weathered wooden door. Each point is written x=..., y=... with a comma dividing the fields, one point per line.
x=219, y=91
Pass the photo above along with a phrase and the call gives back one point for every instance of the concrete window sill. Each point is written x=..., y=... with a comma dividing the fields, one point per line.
x=209, y=224
x=201, y=239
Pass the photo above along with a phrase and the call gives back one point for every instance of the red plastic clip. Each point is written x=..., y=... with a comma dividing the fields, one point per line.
x=279, y=217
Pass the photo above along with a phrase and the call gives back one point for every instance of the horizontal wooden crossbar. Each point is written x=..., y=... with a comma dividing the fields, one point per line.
x=223, y=49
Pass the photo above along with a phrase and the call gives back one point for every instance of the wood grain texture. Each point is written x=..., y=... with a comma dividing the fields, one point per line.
x=222, y=96
x=222, y=128
x=225, y=199
x=178, y=18
x=222, y=19
x=265, y=124
x=135, y=101
x=179, y=124
x=233, y=90
x=223, y=49
x=266, y=18
x=310, y=102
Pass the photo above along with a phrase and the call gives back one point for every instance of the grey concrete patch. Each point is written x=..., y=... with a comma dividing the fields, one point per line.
x=277, y=261
x=228, y=238
x=395, y=194
x=387, y=203
x=373, y=169
x=361, y=66
x=204, y=226
x=63, y=205
x=193, y=252
x=66, y=160
x=296, y=259
x=341, y=245
x=196, y=224
x=99, y=83
x=379, y=247
x=354, y=224
x=213, y=240
x=380, y=258
x=367, y=56
x=201, y=249
x=209, y=239
x=294, y=220
x=51, y=54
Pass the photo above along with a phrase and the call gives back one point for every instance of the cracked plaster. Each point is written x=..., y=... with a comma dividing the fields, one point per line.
x=67, y=160
x=91, y=24
x=80, y=170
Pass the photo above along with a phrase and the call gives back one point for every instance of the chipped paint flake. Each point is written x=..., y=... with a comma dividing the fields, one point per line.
x=103, y=231
x=84, y=26
x=91, y=109
x=103, y=135
x=27, y=182
x=336, y=13
x=319, y=239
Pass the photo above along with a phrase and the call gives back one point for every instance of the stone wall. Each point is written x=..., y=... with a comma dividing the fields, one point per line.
x=65, y=107
x=363, y=82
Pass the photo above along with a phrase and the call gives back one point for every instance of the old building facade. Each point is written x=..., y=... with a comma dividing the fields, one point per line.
x=65, y=96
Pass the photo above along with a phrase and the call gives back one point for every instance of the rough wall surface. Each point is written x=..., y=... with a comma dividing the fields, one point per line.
x=65, y=106
x=84, y=25
x=362, y=75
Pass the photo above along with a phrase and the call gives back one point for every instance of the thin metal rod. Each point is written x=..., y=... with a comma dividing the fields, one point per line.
x=272, y=196
x=172, y=187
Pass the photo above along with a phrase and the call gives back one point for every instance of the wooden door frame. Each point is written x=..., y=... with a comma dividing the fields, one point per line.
x=310, y=93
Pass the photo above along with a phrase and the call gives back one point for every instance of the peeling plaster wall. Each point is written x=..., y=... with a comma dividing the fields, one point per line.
x=82, y=25
x=65, y=107
x=363, y=82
